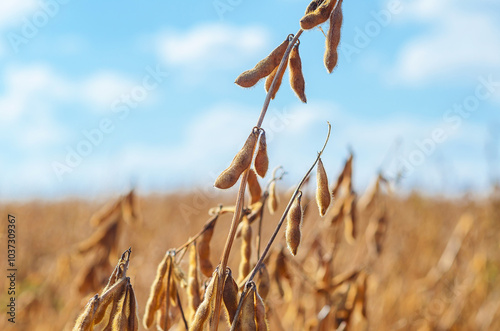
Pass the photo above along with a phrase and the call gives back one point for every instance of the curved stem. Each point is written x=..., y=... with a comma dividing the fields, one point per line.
x=278, y=227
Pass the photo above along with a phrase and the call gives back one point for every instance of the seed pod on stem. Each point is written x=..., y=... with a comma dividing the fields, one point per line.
x=293, y=227
x=312, y=6
x=272, y=201
x=337, y=210
x=270, y=78
x=247, y=317
x=261, y=162
x=254, y=186
x=230, y=295
x=156, y=289
x=297, y=81
x=246, y=249
x=262, y=69
x=85, y=320
x=240, y=163
x=193, y=283
x=203, y=310
x=333, y=38
x=260, y=313
x=322, y=192
x=318, y=16
x=263, y=282
x=350, y=218
x=111, y=296
x=204, y=248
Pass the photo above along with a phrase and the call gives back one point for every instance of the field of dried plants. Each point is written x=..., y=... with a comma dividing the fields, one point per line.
x=319, y=256
x=437, y=268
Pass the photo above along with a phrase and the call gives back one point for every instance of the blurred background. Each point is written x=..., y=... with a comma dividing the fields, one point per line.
x=98, y=96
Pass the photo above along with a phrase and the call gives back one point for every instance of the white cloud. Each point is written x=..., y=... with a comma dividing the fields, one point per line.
x=102, y=88
x=209, y=45
x=12, y=10
x=38, y=88
x=459, y=42
x=27, y=89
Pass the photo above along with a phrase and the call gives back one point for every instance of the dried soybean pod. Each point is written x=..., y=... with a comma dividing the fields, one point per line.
x=333, y=38
x=86, y=319
x=261, y=162
x=156, y=289
x=133, y=318
x=230, y=295
x=280, y=270
x=173, y=289
x=322, y=192
x=337, y=211
x=113, y=294
x=262, y=69
x=246, y=249
x=375, y=232
x=297, y=81
x=193, y=292
x=318, y=16
x=272, y=201
x=247, y=317
x=260, y=313
x=163, y=320
x=204, y=248
x=253, y=186
x=350, y=218
x=263, y=282
x=121, y=320
x=368, y=200
x=240, y=163
x=270, y=78
x=203, y=310
x=312, y=6
x=293, y=227
x=361, y=297
x=109, y=211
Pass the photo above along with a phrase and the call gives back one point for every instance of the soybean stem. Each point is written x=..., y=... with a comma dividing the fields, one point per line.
x=278, y=227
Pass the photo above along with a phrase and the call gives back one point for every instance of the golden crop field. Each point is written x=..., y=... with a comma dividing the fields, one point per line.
x=436, y=269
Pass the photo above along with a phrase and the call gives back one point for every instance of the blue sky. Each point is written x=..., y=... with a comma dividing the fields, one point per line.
x=96, y=95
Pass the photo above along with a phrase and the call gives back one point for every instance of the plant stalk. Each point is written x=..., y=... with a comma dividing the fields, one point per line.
x=278, y=227
x=241, y=194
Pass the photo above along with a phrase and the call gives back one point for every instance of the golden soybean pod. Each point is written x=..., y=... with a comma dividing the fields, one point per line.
x=272, y=202
x=333, y=38
x=240, y=163
x=318, y=16
x=322, y=193
x=270, y=78
x=193, y=290
x=156, y=288
x=246, y=250
x=204, y=249
x=261, y=162
x=293, y=227
x=262, y=69
x=297, y=81
x=203, y=310
x=254, y=187
x=247, y=317
x=260, y=313
x=230, y=295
